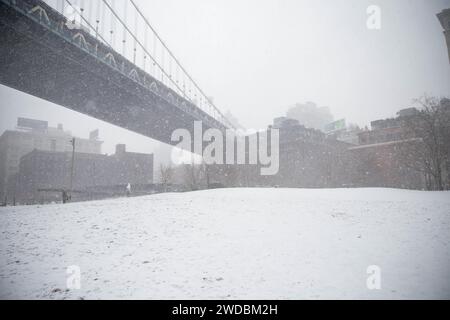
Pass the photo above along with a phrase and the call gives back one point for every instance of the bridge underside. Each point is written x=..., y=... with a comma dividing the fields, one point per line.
x=35, y=60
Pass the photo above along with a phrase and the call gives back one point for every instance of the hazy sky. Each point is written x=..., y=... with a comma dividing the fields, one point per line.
x=258, y=57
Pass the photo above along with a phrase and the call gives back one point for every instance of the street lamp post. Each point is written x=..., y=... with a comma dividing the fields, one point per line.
x=71, y=167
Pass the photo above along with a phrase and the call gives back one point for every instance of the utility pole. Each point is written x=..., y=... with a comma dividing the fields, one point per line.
x=207, y=176
x=15, y=190
x=71, y=167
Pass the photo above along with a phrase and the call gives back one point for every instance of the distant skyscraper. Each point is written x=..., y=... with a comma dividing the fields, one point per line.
x=444, y=18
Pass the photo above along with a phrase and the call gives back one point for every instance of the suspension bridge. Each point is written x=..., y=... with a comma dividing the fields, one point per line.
x=88, y=57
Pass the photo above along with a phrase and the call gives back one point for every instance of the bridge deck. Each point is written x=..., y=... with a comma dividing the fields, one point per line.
x=49, y=61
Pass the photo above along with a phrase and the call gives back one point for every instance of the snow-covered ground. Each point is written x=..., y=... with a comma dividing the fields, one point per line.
x=231, y=244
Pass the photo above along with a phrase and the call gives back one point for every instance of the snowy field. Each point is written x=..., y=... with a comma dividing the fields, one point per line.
x=231, y=244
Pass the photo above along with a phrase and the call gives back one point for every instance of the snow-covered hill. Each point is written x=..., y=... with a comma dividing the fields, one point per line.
x=231, y=243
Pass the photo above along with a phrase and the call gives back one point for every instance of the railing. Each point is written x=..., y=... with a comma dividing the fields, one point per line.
x=70, y=20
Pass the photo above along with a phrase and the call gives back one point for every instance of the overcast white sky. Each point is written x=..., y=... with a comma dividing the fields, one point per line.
x=258, y=57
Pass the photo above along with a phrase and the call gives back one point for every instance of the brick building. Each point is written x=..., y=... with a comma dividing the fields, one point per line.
x=380, y=160
x=33, y=134
x=43, y=175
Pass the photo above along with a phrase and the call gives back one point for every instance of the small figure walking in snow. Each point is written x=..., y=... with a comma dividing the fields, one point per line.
x=128, y=189
x=65, y=196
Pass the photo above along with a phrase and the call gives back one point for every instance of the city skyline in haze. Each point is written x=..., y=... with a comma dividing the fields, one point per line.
x=258, y=58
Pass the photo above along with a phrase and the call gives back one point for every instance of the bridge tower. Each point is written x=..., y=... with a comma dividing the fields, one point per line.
x=444, y=19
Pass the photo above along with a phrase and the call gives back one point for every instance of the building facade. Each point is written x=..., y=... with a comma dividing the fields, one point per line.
x=43, y=175
x=380, y=157
x=309, y=158
x=33, y=134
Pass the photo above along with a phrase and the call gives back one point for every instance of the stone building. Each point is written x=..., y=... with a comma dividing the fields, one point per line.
x=383, y=165
x=380, y=160
x=43, y=175
x=33, y=134
x=308, y=158
x=128, y=167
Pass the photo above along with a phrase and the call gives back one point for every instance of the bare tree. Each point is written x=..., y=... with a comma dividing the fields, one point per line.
x=166, y=173
x=195, y=176
x=430, y=154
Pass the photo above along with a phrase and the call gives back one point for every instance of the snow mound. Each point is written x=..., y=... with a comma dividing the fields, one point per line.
x=231, y=244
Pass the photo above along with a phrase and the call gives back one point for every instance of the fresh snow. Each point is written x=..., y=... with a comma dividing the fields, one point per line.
x=231, y=244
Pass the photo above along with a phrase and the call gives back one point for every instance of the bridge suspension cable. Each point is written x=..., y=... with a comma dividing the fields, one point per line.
x=87, y=22
x=223, y=118
x=135, y=38
x=132, y=40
